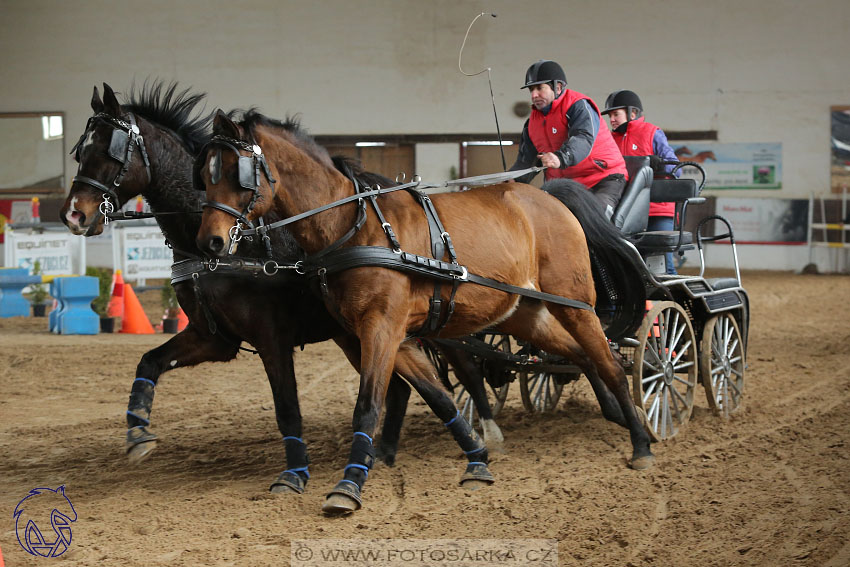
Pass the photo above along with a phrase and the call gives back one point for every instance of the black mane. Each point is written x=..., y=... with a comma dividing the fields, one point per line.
x=162, y=104
x=351, y=167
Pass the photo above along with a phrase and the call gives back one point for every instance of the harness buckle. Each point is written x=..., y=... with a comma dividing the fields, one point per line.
x=270, y=268
x=213, y=265
x=105, y=209
x=299, y=267
x=463, y=276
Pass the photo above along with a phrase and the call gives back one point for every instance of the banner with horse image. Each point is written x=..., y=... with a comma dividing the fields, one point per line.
x=733, y=166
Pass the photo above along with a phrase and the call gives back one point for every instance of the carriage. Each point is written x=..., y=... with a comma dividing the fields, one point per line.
x=694, y=330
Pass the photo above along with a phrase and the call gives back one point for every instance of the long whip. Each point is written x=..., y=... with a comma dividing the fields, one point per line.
x=489, y=82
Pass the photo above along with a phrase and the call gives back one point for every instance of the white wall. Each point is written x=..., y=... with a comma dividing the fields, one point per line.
x=754, y=70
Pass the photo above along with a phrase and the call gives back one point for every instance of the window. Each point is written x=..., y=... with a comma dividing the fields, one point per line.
x=52, y=127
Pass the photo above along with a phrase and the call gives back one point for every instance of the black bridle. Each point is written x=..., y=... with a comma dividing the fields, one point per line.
x=249, y=178
x=125, y=137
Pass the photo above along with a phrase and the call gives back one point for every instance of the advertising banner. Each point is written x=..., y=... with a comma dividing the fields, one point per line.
x=140, y=252
x=766, y=221
x=58, y=251
x=733, y=166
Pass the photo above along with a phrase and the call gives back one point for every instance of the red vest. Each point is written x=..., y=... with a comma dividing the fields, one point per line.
x=637, y=141
x=548, y=132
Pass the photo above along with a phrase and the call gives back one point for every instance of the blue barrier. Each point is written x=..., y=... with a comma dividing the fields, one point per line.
x=53, y=316
x=12, y=284
x=75, y=315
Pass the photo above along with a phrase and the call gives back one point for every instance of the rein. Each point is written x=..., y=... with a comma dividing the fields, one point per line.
x=125, y=137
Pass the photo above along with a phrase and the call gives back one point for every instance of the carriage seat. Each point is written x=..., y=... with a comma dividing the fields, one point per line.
x=723, y=283
x=632, y=212
x=682, y=192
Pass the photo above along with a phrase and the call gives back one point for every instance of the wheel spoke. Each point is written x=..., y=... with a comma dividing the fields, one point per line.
x=674, y=394
x=685, y=382
x=648, y=393
x=654, y=410
x=652, y=378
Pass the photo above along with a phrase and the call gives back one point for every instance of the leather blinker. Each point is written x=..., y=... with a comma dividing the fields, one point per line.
x=247, y=173
x=118, y=145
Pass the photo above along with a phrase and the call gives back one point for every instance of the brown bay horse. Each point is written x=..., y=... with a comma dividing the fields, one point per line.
x=511, y=232
x=225, y=308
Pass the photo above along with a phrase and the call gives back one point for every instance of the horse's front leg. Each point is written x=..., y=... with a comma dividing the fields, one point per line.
x=187, y=348
x=280, y=369
x=398, y=394
x=379, y=341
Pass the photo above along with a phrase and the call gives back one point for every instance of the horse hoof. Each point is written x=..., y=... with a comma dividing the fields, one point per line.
x=385, y=456
x=474, y=484
x=642, y=463
x=138, y=453
x=282, y=489
x=339, y=505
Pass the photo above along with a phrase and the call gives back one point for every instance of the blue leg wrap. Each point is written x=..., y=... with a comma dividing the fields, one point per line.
x=469, y=441
x=360, y=460
x=141, y=402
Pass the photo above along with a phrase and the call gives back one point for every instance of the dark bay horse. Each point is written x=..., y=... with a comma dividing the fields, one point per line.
x=274, y=314
x=513, y=233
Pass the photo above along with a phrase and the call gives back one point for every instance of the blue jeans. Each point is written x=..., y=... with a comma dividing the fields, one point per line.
x=664, y=223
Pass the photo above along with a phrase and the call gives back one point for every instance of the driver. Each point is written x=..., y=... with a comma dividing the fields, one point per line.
x=564, y=135
x=637, y=137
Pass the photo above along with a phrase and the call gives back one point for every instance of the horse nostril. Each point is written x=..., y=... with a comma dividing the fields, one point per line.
x=215, y=244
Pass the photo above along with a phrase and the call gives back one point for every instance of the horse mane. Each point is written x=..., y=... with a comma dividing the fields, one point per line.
x=289, y=127
x=353, y=168
x=177, y=111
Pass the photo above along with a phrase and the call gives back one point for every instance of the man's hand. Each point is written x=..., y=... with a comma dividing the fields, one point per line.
x=549, y=160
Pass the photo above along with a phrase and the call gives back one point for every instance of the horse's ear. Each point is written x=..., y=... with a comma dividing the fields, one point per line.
x=110, y=102
x=96, y=103
x=224, y=125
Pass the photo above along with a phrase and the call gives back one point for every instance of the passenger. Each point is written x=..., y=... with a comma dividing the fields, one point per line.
x=637, y=137
x=564, y=135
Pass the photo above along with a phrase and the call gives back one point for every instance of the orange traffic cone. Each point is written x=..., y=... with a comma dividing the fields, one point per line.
x=182, y=320
x=655, y=332
x=135, y=321
x=116, y=302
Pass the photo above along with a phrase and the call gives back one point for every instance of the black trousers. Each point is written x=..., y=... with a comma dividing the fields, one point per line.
x=609, y=191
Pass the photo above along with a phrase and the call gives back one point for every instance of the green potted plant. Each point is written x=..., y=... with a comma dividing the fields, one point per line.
x=38, y=293
x=172, y=309
x=100, y=304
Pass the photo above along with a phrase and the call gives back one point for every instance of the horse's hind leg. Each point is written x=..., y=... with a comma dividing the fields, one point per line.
x=187, y=348
x=412, y=363
x=471, y=378
x=584, y=326
x=577, y=334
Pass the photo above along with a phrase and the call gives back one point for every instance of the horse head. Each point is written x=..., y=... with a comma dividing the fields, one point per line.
x=110, y=172
x=239, y=185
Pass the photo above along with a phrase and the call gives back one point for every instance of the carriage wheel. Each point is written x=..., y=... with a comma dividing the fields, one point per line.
x=665, y=369
x=721, y=364
x=540, y=391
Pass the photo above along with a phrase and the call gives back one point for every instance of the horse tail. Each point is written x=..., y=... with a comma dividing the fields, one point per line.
x=619, y=274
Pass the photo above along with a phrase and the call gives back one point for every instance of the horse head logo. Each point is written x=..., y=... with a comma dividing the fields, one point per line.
x=38, y=503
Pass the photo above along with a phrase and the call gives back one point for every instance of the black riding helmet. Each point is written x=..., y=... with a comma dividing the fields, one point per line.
x=623, y=99
x=544, y=71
